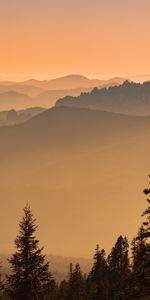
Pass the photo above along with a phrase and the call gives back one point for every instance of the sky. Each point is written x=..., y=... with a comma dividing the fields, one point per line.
x=97, y=38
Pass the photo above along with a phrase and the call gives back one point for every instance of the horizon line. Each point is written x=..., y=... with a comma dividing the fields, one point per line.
x=24, y=78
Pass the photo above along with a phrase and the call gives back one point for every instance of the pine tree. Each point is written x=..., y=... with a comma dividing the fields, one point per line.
x=141, y=258
x=137, y=283
x=146, y=224
x=146, y=237
x=62, y=292
x=118, y=269
x=76, y=284
x=30, y=278
x=97, y=279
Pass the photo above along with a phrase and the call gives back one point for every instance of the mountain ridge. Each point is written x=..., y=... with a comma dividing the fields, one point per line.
x=65, y=82
x=128, y=98
x=20, y=96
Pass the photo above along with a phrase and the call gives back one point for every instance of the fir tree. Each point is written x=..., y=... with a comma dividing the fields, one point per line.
x=140, y=288
x=137, y=282
x=76, y=284
x=146, y=224
x=30, y=278
x=62, y=292
x=97, y=279
x=118, y=269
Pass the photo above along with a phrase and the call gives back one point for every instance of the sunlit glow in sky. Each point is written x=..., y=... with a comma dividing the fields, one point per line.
x=97, y=38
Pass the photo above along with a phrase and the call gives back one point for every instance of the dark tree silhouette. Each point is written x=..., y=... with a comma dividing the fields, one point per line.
x=30, y=278
x=111, y=279
x=76, y=284
x=97, y=280
x=62, y=293
x=140, y=283
x=146, y=224
x=118, y=269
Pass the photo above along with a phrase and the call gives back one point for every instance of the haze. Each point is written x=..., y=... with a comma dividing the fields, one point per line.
x=47, y=39
x=80, y=161
x=83, y=172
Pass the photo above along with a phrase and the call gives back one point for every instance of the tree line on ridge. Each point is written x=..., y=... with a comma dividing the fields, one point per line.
x=116, y=277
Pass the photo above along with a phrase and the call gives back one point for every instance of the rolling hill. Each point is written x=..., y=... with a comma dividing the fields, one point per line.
x=28, y=90
x=68, y=82
x=21, y=95
x=81, y=169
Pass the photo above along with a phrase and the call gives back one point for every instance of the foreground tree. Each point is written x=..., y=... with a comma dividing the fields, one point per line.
x=30, y=278
x=97, y=282
x=62, y=292
x=76, y=284
x=140, y=282
x=146, y=224
x=118, y=269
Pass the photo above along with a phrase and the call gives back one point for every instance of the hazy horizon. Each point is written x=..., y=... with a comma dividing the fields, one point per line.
x=50, y=39
x=39, y=155
x=135, y=77
x=74, y=149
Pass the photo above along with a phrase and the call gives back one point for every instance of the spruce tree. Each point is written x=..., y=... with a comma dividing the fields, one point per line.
x=76, y=284
x=146, y=224
x=30, y=278
x=140, y=288
x=146, y=237
x=137, y=283
x=62, y=293
x=118, y=269
x=97, y=279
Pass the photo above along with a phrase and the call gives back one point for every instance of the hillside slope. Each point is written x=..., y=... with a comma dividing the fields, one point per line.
x=128, y=98
x=80, y=169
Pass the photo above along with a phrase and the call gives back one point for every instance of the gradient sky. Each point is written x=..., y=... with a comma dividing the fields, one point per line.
x=45, y=38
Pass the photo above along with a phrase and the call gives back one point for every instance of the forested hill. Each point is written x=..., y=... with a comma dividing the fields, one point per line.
x=71, y=161
x=128, y=98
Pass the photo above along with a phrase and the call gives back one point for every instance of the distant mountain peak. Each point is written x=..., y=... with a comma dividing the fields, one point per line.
x=73, y=76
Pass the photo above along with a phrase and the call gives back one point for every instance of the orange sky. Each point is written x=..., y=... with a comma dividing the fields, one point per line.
x=45, y=38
